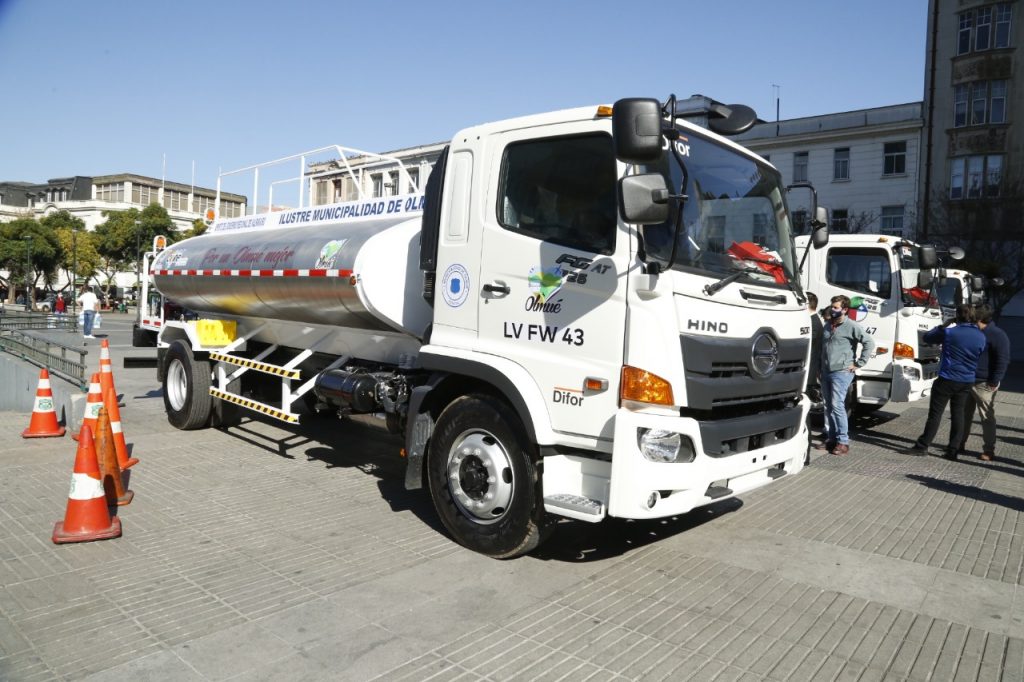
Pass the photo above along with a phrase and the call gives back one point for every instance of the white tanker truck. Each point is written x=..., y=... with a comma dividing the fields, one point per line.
x=587, y=313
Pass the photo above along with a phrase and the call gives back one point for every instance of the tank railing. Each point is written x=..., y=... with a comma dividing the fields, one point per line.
x=58, y=358
x=367, y=160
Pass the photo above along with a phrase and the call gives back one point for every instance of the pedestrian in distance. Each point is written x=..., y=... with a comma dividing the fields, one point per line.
x=839, y=363
x=988, y=375
x=90, y=306
x=962, y=346
x=59, y=306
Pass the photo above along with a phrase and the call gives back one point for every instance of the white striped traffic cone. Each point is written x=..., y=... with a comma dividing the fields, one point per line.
x=87, y=517
x=92, y=405
x=107, y=370
x=44, y=418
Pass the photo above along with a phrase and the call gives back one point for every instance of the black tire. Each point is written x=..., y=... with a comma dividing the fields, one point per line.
x=475, y=438
x=187, y=397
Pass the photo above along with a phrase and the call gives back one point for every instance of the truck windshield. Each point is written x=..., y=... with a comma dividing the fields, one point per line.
x=734, y=218
x=950, y=292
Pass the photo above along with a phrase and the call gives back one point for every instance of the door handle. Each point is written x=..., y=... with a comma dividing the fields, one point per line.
x=499, y=288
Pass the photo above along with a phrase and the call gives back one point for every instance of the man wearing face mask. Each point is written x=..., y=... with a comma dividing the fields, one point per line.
x=839, y=363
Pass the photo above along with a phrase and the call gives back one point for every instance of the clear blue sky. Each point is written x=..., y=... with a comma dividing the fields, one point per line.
x=92, y=88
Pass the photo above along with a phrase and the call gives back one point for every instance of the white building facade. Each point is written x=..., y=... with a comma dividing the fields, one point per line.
x=864, y=165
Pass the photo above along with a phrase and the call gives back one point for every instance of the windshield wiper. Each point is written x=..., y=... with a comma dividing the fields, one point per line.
x=712, y=289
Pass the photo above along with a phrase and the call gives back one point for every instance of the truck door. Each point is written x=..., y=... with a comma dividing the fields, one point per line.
x=552, y=295
x=866, y=275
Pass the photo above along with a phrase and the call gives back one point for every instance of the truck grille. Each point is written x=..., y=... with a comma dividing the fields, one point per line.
x=925, y=351
x=719, y=372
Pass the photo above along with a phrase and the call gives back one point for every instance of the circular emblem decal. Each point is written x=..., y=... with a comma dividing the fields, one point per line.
x=764, y=355
x=455, y=285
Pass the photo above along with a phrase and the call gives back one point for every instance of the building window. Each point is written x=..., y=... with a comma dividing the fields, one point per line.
x=1003, y=25
x=378, y=185
x=960, y=106
x=414, y=180
x=201, y=204
x=143, y=195
x=759, y=233
x=396, y=186
x=174, y=201
x=983, y=29
x=112, y=192
x=892, y=220
x=321, y=192
x=800, y=167
x=895, y=162
x=799, y=222
x=975, y=29
x=963, y=38
x=840, y=220
x=841, y=164
x=974, y=177
x=997, y=102
x=979, y=103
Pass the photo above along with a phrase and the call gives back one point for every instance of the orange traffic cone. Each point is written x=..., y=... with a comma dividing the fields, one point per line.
x=92, y=404
x=44, y=417
x=110, y=471
x=120, y=446
x=107, y=371
x=87, y=517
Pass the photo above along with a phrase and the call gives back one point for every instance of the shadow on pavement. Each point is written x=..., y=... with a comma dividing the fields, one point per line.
x=970, y=491
x=578, y=541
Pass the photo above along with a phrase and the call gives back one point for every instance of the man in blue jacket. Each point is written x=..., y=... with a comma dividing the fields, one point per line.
x=992, y=367
x=962, y=345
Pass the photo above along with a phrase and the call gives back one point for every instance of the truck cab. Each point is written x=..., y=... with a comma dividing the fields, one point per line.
x=881, y=276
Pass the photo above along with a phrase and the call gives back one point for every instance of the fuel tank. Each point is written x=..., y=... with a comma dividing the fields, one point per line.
x=362, y=275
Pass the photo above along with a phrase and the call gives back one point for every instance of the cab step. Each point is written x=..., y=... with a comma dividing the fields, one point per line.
x=575, y=507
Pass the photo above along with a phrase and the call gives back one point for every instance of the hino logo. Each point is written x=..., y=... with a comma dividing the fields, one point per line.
x=706, y=326
x=764, y=355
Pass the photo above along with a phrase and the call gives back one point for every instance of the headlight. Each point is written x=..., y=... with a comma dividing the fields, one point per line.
x=912, y=373
x=658, y=445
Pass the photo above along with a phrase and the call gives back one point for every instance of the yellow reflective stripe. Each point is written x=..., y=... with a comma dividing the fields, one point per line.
x=254, y=405
x=258, y=366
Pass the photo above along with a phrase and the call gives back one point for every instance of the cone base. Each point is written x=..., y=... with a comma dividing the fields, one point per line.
x=45, y=434
x=126, y=498
x=61, y=537
x=129, y=463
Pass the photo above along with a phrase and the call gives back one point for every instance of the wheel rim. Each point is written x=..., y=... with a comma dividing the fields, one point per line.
x=177, y=384
x=480, y=476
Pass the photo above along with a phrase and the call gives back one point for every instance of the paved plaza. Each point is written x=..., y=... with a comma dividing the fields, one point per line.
x=263, y=552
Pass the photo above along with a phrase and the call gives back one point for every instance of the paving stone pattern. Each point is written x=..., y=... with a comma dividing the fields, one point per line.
x=269, y=553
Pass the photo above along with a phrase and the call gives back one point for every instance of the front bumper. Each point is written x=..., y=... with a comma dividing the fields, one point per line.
x=738, y=462
x=911, y=380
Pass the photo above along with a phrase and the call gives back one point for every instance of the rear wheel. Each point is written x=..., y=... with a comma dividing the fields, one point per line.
x=187, y=397
x=483, y=480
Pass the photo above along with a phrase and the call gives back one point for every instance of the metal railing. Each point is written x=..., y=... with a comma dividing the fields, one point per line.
x=56, y=357
x=23, y=319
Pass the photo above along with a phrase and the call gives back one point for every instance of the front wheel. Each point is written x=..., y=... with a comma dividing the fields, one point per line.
x=186, y=388
x=483, y=480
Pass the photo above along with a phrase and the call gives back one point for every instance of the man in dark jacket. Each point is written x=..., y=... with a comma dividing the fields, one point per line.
x=989, y=374
x=962, y=345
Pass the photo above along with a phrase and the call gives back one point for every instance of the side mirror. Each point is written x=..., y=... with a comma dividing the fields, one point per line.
x=636, y=130
x=977, y=283
x=943, y=277
x=927, y=258
x=997, y=282
x=644, y=199
x=731, y=119
x=925, y=279
x=977, y=298
x=956, y=253
x=819, y=237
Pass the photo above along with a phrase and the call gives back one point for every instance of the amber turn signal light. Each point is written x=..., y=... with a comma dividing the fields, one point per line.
x=902, y=350
x=643, y=387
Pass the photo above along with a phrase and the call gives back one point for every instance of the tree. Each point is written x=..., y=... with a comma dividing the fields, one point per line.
x=79, y=248
x=23, y=238
x=990, y=230
x=199, y=227
x=125, y=235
